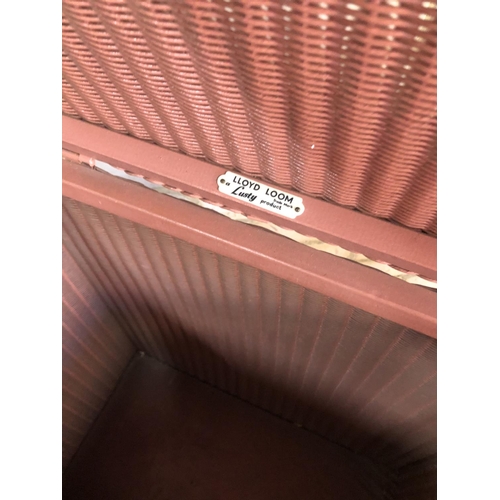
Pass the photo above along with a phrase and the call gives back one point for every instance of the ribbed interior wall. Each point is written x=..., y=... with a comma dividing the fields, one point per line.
x=354, y=378
x=94, y=354
x=334, y=99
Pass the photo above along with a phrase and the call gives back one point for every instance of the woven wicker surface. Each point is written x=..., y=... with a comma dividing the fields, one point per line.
x=333, y=99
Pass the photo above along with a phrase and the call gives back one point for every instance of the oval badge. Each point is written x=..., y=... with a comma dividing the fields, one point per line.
x=260, y=195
